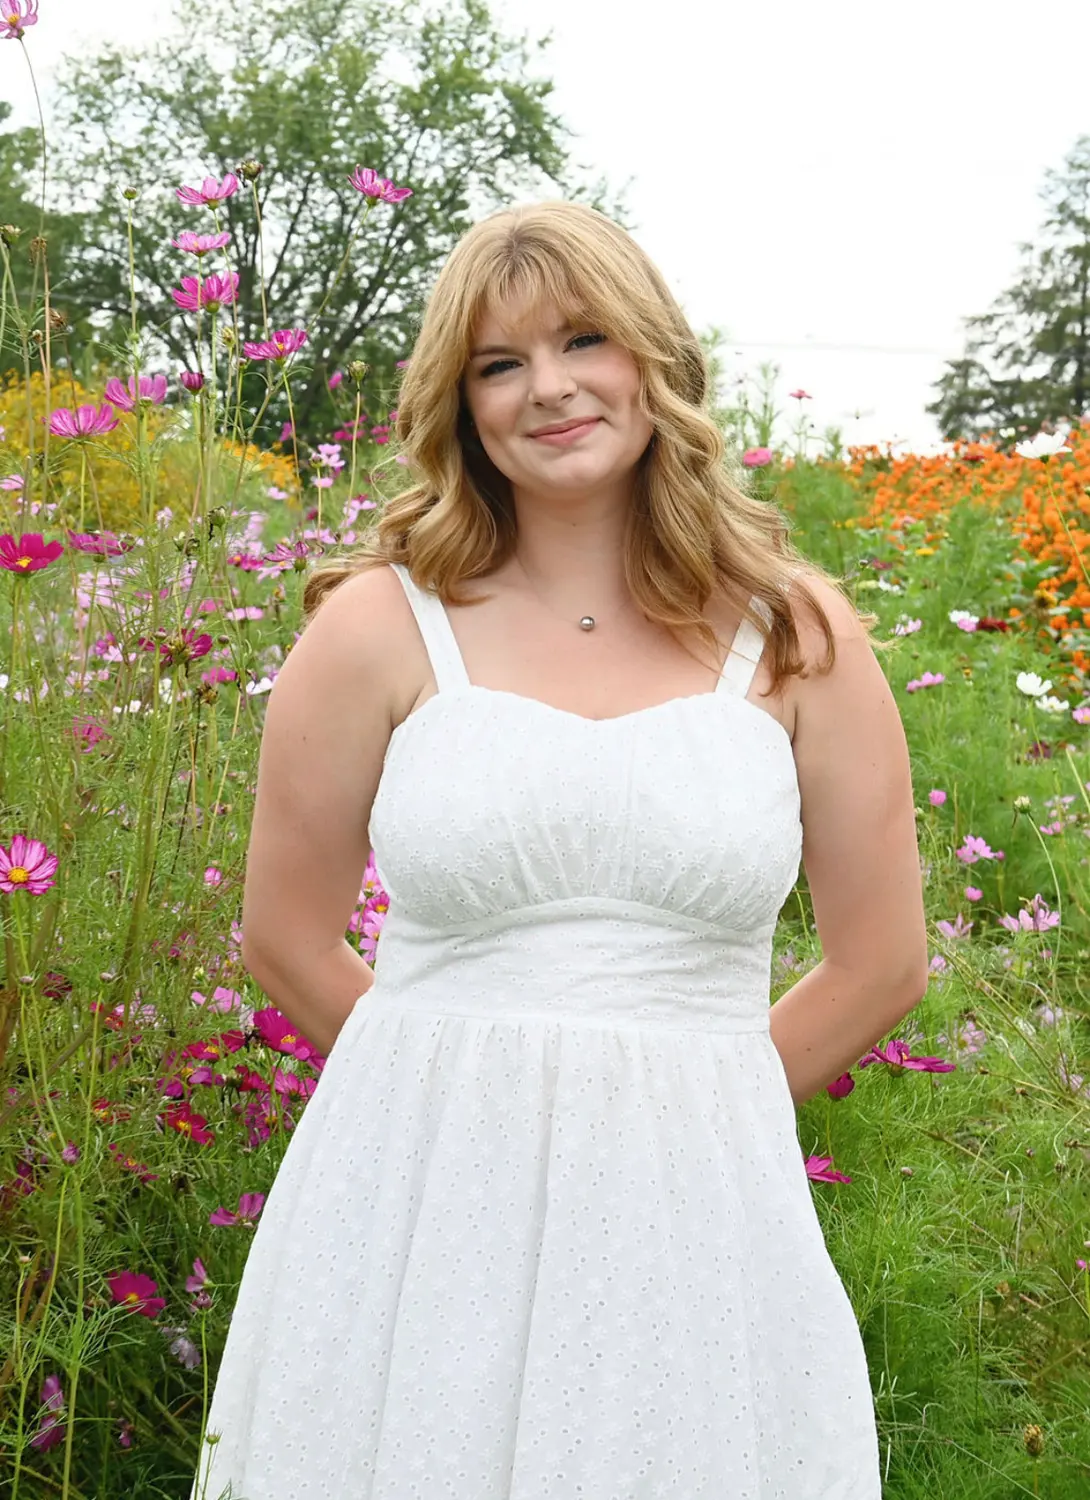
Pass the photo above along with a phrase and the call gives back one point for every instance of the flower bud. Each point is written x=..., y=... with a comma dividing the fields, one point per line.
x=357, y=369
x=130, y=194
x=193, y=380
x=1033, y=1440
x=9, y=233
x=179, y=539
x=37, y=248
x=227, y=337
x=217, y=516
x=250, y=170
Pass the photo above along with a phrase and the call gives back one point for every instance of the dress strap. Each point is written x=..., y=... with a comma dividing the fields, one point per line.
x=435, y=627
x=745, y=653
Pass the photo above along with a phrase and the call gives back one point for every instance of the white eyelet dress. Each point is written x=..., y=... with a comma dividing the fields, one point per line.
x=544, y=1230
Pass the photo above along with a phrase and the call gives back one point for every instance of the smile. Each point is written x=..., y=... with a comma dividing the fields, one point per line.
x=562, y=439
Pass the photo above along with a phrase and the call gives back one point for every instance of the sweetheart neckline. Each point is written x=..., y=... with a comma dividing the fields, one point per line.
x=566, y=713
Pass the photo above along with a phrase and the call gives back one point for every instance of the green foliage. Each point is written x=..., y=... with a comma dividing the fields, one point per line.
x=440, y=103
x=1027, y=363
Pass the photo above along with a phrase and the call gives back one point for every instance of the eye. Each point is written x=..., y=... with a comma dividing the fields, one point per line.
x=498, y=364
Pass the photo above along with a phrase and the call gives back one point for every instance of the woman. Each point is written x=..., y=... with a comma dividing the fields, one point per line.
x=544, y=1231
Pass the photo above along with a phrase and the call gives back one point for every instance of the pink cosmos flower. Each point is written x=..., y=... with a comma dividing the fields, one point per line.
x=100, y=543
x=335, y=379
x=53, y=1428
x=29, y=554
x=249, y=1206
x=136, y=1292
x=284, y=341
x=26, y=866
x=84, y=422
x=377, y=189
x=15, y=17
x=87, y=732
x=215, y=291
x=12, y=482
x=210, y=191
x=193, y=380
x=200, y=244
x=153, y=388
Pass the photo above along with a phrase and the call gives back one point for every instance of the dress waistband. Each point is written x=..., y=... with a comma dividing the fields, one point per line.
x=579, y=961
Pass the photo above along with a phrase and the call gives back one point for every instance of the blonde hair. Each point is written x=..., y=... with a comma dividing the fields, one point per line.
x=693, y=525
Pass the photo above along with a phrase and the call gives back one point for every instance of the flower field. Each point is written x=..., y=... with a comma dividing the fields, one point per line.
x=153, y=551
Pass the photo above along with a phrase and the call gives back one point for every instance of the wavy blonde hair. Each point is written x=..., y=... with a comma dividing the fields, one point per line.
x=693, y=524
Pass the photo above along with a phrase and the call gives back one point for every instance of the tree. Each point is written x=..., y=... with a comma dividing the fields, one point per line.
x=1038, y=336
x=23, y=223
x=442, y=104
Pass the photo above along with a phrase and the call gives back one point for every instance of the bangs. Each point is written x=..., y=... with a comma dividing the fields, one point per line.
x=529, y=288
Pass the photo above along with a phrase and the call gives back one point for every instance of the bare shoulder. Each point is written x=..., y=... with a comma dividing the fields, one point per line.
x=370, y=617
x=840, y=612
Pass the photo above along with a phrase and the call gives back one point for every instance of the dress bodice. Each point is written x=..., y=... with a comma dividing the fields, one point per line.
x=508, y=830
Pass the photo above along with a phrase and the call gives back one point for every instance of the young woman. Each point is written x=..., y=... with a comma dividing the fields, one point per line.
x=544, y=1231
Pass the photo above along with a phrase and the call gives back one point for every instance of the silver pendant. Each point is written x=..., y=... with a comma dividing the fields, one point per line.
x=587, y=622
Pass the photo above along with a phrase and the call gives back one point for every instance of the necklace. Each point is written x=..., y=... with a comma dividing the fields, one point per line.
x=586, y=623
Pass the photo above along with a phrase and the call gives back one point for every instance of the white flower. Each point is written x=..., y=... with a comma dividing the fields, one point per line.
x=1053, y=706
x=264, y=686
x=963, y=619
x=1044, y=445
x=1032, y=685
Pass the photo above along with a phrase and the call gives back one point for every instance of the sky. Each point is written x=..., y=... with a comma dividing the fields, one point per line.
x=836, y=187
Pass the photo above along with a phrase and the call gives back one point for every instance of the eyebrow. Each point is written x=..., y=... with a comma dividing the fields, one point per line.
x=506, y=348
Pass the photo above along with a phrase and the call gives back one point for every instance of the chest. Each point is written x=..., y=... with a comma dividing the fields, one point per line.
x=623, y=666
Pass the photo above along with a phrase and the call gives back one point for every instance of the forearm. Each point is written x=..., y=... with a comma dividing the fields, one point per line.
x=316, y=997
x=826, y=1022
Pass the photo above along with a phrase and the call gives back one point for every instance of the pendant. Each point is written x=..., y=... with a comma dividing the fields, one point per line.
x=587, y=622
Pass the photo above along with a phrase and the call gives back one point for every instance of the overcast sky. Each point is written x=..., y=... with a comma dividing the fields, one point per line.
x=836, y=186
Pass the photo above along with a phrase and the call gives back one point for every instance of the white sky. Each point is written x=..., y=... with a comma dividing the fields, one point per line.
x=856, y=175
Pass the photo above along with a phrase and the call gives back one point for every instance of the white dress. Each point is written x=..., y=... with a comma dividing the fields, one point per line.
x=544, y=1230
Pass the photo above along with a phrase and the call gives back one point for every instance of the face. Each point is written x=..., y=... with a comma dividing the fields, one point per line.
x=520, y=380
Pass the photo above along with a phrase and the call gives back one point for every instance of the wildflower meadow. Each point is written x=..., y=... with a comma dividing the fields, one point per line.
x=155, y=534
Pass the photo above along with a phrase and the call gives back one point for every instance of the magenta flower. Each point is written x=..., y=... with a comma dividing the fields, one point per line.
x=377, y=189
x=249, y=1206
x=176, y=649
x=210, y=191
x=200, y=244
x=284, y=341
x=26, y=866
x=15, y=17
x=53, y=1430
x=12, y=482
x=29, y=554
x=136, y=1292
x=216, y=291
x=153, y=388
x=87, y=732
x=100, y=543
x=84, y=422
x=821, y=1169
x=193, y=380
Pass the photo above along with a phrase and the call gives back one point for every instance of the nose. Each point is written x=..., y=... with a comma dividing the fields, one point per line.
x=551, y=381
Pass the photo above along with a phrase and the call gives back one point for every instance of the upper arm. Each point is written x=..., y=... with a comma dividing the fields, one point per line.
x=328, y=723
x=859, y=847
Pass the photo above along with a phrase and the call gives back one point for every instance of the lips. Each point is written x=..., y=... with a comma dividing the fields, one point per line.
x=568, y=427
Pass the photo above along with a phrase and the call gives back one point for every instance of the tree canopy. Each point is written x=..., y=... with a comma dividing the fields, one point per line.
x=441, y=103
x=1026, y=361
